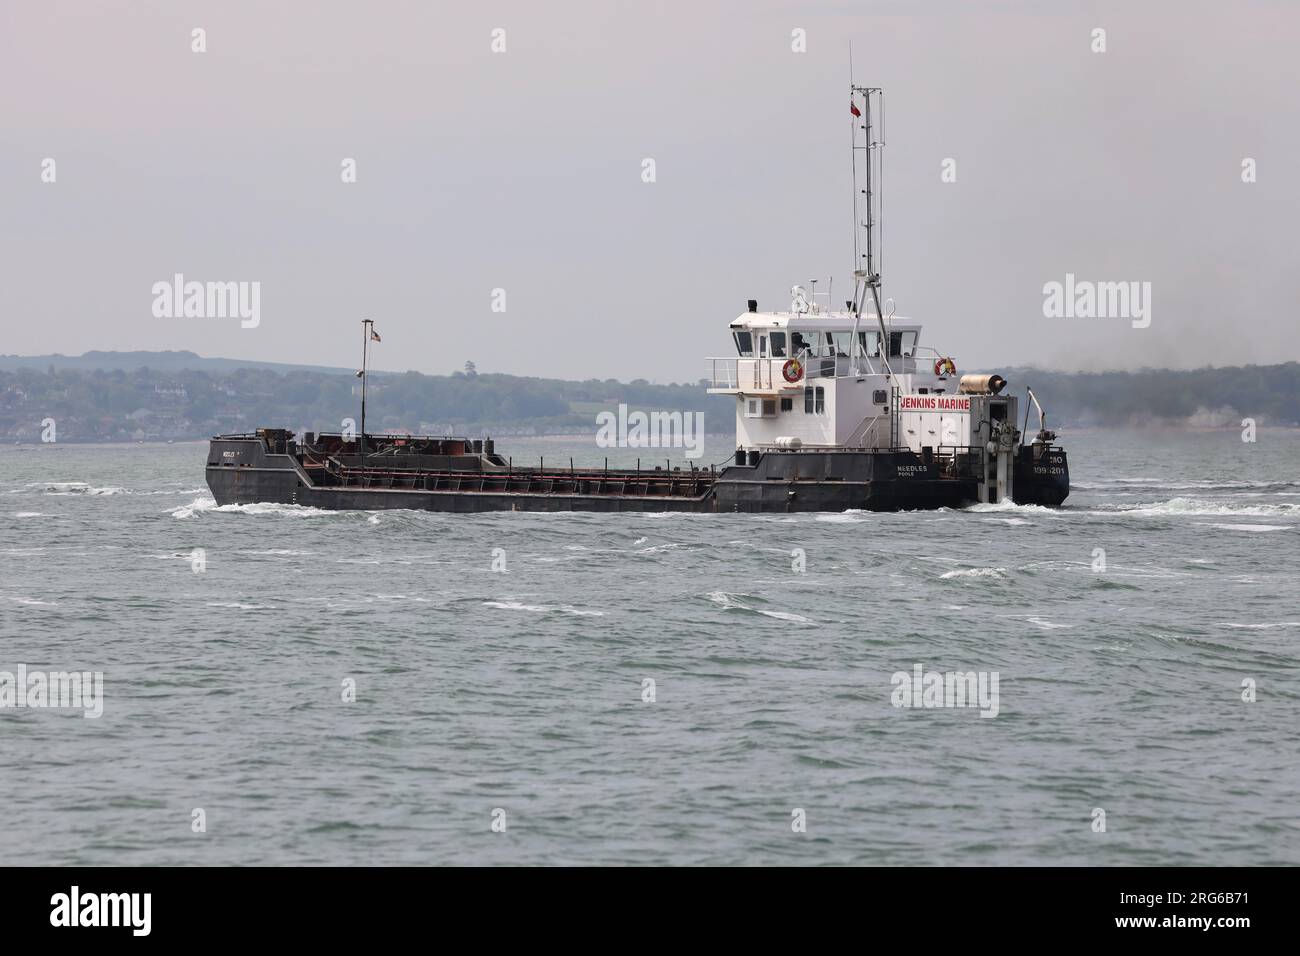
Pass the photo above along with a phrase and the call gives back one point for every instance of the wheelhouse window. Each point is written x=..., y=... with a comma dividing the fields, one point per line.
x=799, y=343
x=869, y=342
x=744, y=343
x=778, y=345
x=902, y=344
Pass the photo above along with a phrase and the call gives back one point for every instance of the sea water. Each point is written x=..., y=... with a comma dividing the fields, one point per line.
x=284, y=685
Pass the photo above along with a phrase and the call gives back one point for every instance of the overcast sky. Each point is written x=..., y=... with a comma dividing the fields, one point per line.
x=522, y=171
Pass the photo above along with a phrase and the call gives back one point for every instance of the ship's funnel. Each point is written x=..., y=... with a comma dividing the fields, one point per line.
x=981, y=385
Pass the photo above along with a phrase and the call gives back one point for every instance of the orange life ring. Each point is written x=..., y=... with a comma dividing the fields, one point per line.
x=792, y=370
x=945, y=366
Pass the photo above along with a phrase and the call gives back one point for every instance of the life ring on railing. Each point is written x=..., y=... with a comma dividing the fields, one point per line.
x=792, y=370
x=945, y=366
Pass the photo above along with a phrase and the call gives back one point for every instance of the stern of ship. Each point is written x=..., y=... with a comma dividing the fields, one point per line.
x=1042, y=475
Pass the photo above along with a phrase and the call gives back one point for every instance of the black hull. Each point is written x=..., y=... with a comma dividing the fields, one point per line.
x=1042, y=476
x=242, y=471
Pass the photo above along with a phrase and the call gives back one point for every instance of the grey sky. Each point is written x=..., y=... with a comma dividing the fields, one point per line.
x=522, y=171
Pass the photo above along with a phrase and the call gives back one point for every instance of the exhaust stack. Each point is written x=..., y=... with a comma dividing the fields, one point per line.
x=981, y=385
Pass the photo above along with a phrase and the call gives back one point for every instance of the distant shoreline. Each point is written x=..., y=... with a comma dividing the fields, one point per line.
x=590, y=437
x=153, y=405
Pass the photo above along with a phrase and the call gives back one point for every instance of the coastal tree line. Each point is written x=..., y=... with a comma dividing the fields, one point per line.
x=151, y=404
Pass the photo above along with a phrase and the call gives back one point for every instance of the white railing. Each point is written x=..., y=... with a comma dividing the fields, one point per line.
x=765, y=374
x=858, y=438
x=746, y=374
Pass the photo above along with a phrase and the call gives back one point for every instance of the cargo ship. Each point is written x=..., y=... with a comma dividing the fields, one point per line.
x=836, y=409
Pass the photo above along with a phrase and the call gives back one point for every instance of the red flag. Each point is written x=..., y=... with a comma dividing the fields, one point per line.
x=853, y=108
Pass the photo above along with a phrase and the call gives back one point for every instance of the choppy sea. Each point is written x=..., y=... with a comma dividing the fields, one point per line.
x=635, y=689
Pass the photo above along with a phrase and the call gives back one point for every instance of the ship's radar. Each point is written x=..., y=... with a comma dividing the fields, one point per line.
x=798, y=300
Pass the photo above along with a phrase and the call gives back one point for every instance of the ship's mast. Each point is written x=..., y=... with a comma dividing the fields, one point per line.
x=867, y=167
x=367, y=330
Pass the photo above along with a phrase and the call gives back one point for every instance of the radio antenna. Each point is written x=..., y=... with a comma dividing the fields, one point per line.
x=866, y=207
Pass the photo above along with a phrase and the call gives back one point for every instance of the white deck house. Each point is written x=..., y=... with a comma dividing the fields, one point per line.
x=858, y=379
x=801, y=380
